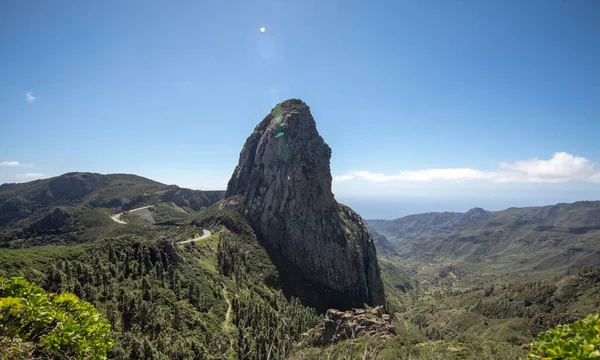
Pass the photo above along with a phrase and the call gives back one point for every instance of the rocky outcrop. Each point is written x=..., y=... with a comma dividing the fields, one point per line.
x=339, y=326
x=322, y=249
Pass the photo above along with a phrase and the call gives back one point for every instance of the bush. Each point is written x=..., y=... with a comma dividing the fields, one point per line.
x=46, y=325
x=580, y=340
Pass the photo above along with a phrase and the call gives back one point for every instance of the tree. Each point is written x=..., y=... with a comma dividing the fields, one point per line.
x=51, y=325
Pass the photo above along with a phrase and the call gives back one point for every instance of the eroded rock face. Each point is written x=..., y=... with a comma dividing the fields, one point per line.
x=322, y=249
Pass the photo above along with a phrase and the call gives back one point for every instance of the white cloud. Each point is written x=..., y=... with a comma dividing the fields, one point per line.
x=562, y=167
x=10, y=163
x=15, y=164
x=30, y=176
x=30, y=97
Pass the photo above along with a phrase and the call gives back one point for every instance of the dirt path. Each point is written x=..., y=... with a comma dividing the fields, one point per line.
x=205, y=234
x=117, y=217
x=228, y=313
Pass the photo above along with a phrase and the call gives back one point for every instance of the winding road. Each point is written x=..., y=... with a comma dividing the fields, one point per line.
x=205, y=234
x=117, y=217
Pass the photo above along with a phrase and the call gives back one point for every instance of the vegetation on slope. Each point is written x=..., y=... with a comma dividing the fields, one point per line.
x=168, y=301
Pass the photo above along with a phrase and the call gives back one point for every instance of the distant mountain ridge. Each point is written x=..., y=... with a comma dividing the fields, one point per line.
x=69, y=206
x=579, y=214
x=553, y=238
x=123, y=191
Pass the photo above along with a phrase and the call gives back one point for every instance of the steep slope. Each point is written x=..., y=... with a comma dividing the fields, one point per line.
x=547, y=239
x=322, y=249
x=382, y=244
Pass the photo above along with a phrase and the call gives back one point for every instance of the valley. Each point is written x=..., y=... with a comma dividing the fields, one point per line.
x=530, y=243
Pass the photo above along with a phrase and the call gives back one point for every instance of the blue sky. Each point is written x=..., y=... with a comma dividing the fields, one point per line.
x=449, y=103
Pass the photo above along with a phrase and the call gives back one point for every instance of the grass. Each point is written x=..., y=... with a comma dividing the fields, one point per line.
x=170, y=212
x=397, y=348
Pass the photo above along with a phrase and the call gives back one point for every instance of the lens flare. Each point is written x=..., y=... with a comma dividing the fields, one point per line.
x=280, y=134
x=262, y=29
x=277, y=114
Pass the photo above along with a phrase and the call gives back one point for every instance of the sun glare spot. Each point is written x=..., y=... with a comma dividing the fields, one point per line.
x=262, y=29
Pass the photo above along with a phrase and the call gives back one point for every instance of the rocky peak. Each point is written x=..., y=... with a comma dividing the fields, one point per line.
x=477, y=214
x=322, y=249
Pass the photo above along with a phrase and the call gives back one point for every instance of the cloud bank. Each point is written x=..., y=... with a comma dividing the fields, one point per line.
x=9, y=163
x=15, y=164
x=561, y=167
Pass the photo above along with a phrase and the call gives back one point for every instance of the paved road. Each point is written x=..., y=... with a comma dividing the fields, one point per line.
x=205, y=234
x=117, y=217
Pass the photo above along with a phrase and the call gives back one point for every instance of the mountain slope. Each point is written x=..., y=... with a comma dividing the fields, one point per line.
x=67, y=207
x=548, y=240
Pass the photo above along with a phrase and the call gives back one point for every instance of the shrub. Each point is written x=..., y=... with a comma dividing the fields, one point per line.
x=580, y=340
x=49, y=325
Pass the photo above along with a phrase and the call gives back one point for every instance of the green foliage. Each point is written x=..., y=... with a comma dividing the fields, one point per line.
x=580, y=340
x=49, y=325
x=153, y=300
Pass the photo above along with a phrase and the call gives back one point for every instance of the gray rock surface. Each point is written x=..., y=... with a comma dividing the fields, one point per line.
x=322, y=249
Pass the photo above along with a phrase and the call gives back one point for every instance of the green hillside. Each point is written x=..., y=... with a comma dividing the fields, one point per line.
x=211, y=299
x=76, y=207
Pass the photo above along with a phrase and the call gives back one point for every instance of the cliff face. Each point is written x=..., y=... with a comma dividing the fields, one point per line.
x=322, y=249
